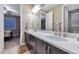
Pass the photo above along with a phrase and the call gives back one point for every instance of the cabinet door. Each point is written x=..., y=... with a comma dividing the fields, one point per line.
x=33, y=44
x=27, y=41
x=41, y=47
x=54, y=50
x=26, y=38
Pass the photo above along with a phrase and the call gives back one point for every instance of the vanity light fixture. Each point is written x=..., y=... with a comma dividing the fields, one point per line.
x=36, y=9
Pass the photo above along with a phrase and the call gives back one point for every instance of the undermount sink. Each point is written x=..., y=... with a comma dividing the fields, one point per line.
x=56, y=38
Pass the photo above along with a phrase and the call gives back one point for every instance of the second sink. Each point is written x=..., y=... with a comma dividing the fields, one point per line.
x=56, y=38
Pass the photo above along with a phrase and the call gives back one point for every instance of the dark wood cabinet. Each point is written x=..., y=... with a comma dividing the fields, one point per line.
x=37, y=46
x=41, y=45
x=54, y=50
x=26, y=38
x=33, y=43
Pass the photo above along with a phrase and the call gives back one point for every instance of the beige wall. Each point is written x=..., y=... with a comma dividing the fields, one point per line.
x=58, y=18
x=1, y=30
x=29, y=19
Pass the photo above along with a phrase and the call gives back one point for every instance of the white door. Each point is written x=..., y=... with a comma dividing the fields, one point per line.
x=1, y=29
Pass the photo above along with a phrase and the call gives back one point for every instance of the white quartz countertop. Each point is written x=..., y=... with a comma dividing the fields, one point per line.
x=70, y=45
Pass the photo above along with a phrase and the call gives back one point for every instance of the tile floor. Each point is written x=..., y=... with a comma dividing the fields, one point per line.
x=13, y=50
x=11, y=47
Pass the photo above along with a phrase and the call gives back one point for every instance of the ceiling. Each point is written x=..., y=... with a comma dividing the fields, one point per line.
x=71, y=7
x=44, y=7
x=14, y=8
x=49, y=7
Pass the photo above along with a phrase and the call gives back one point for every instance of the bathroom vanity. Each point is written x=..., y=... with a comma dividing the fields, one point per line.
x=41, y=42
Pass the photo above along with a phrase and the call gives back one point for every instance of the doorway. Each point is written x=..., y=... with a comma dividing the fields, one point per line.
x=11, y=28
x=43, y=22
x=71, y=21
x=74, y=21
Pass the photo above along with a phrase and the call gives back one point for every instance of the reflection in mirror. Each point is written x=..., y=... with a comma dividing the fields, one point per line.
x=57, y=16
x=43, y=19
x=72, y=18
